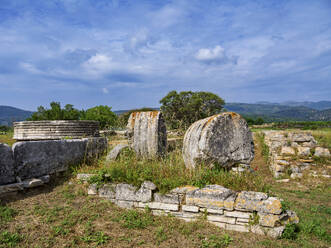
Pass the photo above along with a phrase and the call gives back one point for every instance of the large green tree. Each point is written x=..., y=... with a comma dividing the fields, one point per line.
x=55, y=113
x=181, y=109
x=103, y=114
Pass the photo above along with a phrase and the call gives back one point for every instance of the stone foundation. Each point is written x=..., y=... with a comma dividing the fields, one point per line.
x=292, y=152
x=34, y=159
x=244, y=211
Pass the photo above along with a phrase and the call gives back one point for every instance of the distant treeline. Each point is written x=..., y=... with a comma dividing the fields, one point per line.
x=304, y=125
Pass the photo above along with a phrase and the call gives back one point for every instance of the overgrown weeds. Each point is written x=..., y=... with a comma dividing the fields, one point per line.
x=170, y=172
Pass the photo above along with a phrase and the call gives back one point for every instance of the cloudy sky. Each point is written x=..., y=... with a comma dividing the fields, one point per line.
x=131, y=53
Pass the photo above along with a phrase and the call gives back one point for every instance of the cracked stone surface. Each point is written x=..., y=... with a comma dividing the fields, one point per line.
x=222, y=139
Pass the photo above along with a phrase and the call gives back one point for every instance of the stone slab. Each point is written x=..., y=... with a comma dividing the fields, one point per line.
x=7, y=165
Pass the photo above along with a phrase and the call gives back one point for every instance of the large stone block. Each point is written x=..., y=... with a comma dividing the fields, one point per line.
x=212, y=196
x=322, y=152
x=55, y=130
x=127, y=192
x=38, y=158
x=7, y=169
x=115, y=152
x=256, y=201
x=147, y=133
x=222, y=139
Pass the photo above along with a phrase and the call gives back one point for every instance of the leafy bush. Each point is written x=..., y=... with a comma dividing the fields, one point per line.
x=102, y=114
x=180, y=110
x=290, y=231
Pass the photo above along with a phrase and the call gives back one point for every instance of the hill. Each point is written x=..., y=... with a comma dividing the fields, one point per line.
x=10, y=114
x=279, y=112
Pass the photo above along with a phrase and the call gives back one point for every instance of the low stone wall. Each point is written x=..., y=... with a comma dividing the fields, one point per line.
x=33, y=159
x=292, y=151
x=244, y=211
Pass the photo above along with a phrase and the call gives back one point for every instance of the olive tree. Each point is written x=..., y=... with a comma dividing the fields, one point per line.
x=181, y=109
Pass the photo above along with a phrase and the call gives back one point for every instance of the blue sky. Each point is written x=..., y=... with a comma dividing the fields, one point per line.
x=131, y=53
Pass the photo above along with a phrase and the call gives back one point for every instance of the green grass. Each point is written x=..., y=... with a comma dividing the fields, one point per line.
x=6, y=214
x=170, y=172
x=8, y=239
x=7, y=138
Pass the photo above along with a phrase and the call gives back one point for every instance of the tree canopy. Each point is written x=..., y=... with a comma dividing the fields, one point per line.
x=55, y=113
x=101, y=113
x=181, y=109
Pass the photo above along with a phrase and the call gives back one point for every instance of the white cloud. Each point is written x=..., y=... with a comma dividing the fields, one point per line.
x=105, y=90
x=98, y=64
x=209, y=55
x=30, y=68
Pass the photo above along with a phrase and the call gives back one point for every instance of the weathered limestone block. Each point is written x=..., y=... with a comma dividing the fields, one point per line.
x=167, y=198
x=256, y=201
x=192, y=209
x=301, y=137
x=108, y=191
x=115, y=152
x=7, y=165
x=303, y=151
x=237, y=214
x=287, y=150
x=38, y=158
x=184, y=190
x=217, y=218
x=212, y=196
x=54, y=130
x=159, y=205
x=322, y=152
x=147, y=133
x=148, y=185
x=272, y=220
x=84, y=177
x=237, y=228
x=224, y=139
x=127, y=192
x=92, y=189
x=95, y=147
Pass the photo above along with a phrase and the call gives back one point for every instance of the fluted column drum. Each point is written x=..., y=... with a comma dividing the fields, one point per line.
x=55, y=130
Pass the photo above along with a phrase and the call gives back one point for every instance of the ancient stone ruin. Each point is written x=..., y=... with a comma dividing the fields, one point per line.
x=222, y=139
x=147, y=133
x=29, y=163
x=292, y=152
x=244, y=211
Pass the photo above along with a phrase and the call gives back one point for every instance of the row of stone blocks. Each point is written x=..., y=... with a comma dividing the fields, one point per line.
x=33, y=159
x=244, y=211
x=292, y=150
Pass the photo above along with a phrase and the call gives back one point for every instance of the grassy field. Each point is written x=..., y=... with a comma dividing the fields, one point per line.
x=7, y=138
x=62, y=215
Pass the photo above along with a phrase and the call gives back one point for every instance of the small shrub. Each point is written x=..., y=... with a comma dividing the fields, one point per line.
x=290, y=231
x=216, y=242
x=254, y=219
x=10, y=239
